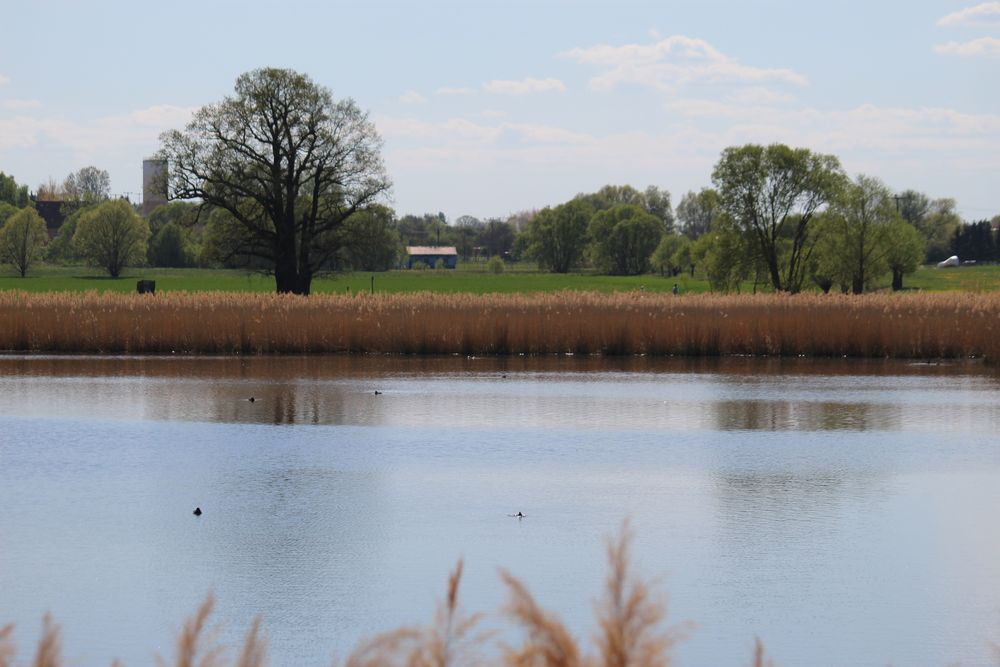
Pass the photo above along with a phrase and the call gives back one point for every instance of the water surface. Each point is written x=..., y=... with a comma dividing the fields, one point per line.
x=842, y=511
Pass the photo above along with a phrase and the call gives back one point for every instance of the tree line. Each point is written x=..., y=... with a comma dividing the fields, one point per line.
x=283, y=178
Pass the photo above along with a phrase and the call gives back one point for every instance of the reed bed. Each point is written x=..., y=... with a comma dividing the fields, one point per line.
x=941, y=325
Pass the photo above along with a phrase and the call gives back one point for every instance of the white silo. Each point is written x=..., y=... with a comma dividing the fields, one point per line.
x=154, y=184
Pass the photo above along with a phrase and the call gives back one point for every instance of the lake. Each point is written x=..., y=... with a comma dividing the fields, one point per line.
x=845, y=512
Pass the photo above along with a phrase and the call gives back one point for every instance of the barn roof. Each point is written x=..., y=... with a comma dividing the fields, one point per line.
x=431, y=250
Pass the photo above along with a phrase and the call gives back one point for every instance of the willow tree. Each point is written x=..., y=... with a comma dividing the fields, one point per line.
x=289, y=165
x=771, y=194
x=22, y=240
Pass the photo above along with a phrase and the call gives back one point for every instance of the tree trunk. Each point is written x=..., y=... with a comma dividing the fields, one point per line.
x=897, y=280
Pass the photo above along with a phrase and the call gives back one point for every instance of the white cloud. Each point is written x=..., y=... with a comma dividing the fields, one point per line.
x=761, y=95
x=987, y=13
x=671, y=63
x=17, y=105
x=984, y=46
x=89, y=140
x=450, y=90
x=412, y=97
x=524, y=86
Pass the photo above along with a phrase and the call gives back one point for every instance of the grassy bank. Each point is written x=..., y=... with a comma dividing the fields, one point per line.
x=467, y=279
x=951, y=325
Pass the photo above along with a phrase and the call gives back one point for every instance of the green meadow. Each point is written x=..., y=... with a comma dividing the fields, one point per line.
x=470, y=279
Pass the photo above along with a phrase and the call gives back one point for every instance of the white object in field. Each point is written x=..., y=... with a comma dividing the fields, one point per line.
x=951, y=261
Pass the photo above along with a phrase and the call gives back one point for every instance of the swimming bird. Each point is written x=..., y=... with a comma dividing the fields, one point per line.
x=251, y=399
x=378, y=393
x=517, y=516
x=197, y=511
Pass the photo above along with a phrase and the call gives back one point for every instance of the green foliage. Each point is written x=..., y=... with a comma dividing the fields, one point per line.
x=370, y=240
x=623, y=238
x=672, y=255
x=654, y=201
x=771, y=194
x=496, y=237
x=184, y=214
x=112, y=236
x=726, y=258
x=170, y=246
x=906, y=250
x=61, y=249
x=495, y=265
x=976, y=241
x=854, y=238
x=22, y=240
x=697, y=211
x=12, y=193
x=6, y=210
x=557, y=236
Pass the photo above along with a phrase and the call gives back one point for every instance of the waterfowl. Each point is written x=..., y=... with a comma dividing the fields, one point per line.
x=197, y=511
x=378, y=393
x=251, y=399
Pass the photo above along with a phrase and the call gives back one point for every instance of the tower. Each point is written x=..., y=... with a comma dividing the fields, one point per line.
x=154, y=184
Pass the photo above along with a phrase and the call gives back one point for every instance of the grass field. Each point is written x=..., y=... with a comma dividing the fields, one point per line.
x=471, y=279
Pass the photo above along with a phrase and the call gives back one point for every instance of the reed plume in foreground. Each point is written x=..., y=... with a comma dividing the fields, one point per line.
x=449, y=642
x=629, y=633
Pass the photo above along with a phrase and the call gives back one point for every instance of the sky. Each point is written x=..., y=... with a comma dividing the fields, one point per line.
x=491, y=108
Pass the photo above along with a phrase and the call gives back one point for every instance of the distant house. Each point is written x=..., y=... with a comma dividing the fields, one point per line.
x=431, y=255
x=54, y=213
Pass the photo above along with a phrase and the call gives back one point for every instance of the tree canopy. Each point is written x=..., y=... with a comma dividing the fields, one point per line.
x=287, y=163
x=771, y=194
x=22, y=240
x=112, y=236
x=623, y=238
x=557, y=236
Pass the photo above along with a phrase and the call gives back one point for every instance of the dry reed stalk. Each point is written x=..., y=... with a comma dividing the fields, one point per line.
x=629, y=616
x=549, y=643
x=759, y=659
x=879, y=325
x=6, y=646
x=49, y=652
x=194, y=641
x=254, y=651
x=449, y=642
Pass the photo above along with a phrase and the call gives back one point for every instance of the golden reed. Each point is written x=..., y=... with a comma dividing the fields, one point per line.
x=946, y=325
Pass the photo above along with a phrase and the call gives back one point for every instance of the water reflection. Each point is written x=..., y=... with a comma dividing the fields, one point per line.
x=807, y=416
x=548, y=392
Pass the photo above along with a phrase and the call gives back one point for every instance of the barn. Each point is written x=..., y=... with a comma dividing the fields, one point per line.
x=431, y=255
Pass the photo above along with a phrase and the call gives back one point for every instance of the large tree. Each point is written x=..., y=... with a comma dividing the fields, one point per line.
x=112, y=236
x=22, y=240
x=906, y=250
x=654, y=201
x=857, y=234
x=623, y=238
x=89, y=184
x=771, y=194
x=557, y=236
x=288, y=163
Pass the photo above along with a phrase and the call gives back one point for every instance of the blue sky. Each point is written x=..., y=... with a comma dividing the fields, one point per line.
x=488, y=108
